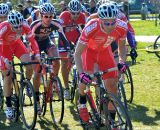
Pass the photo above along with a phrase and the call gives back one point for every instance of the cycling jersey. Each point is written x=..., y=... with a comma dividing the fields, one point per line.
x=42, y=33
x=98, y=49
x=71, y=27
x=11, y=43
x=9, y=37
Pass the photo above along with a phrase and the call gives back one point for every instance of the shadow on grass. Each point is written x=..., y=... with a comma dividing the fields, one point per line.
x=7, y=125
x=138, y=113
x=74, y=117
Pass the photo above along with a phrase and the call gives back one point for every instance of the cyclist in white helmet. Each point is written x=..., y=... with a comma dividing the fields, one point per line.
x=93, y=47
x=73, y=21
x=130, y=33
x=4, y=9
x=11, y=31
x=42, y=29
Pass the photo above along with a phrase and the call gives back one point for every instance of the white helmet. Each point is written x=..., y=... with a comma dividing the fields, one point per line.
x=41, y=2
x=74, y=6
x=107, y=11
x=47, y=8
x=15, y=18
x=4, y=9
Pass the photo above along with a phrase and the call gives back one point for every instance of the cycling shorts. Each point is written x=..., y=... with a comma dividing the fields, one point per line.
x=104, y=59
x=17, y=49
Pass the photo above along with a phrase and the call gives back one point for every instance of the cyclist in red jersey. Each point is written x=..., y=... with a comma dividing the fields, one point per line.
x=130, y=32
x=71, y=20
x=10, y=33
x=93, y=47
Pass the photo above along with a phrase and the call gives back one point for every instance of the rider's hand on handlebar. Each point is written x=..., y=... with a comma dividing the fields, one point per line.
x=122, y=67
x=133, y=53
x=85, y=78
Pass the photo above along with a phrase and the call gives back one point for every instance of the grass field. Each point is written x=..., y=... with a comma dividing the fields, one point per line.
x=145, y=27
x=144, y=111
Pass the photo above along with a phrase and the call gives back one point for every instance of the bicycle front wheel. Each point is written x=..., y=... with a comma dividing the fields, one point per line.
x=28, y=105
x=56, y=100
x=120, y=120
x=156, y=46
x=128, y=85
x=1, y=92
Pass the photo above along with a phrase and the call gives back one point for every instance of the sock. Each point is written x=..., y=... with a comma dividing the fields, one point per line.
x=8, y=101
x=113, y=115
x=82, y=99
x=37, y=96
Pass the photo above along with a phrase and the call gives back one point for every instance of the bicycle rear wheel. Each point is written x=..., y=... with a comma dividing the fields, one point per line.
x=156, y=46
x=56, y=100
x=128, y=85
x=28, y=105
x=121, y=120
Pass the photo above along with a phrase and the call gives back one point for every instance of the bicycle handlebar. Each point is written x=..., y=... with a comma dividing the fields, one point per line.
x=100, y=73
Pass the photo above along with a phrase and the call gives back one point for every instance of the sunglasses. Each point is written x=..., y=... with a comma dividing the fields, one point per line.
x=17, y=27
x=73, y=13
x=48, y=17
x=107, y=23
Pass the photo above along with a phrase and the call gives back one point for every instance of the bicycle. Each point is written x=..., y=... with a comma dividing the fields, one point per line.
x=22, y=103
x=126, y=86
x=99, y=113
x=51, y=90
x=155, y=48
x=73, y=76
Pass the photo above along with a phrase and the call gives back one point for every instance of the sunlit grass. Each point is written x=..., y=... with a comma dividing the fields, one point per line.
x=144, y=111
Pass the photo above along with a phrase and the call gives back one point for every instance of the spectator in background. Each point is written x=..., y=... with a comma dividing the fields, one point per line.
x=20, y=9
x=28, y=9
x=93, y=7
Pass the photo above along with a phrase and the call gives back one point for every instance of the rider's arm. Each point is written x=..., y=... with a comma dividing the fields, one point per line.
x=34, y=44
x=122, y=50
x=77, y=55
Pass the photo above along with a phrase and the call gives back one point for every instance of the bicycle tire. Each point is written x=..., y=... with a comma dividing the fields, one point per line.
x=26, y=102
x=122, y=93
x=128, y=85
x=156, y=45
x=42, y=95
x=15, y=101
x=73, y=82
x=57, y=100
x=122, y=120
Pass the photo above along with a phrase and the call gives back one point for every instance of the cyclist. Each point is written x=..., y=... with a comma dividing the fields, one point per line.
x=93, y=47
x=36, y=15
x=10, y=33
x=130, y=32
x=71, y=20
x=42, y=28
